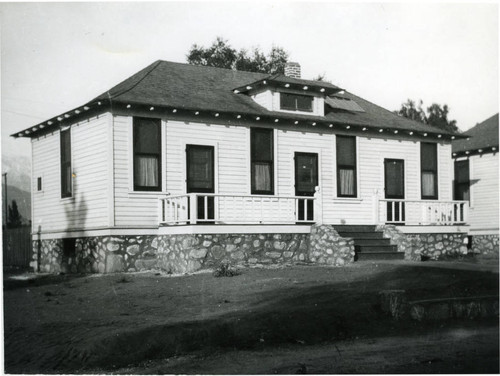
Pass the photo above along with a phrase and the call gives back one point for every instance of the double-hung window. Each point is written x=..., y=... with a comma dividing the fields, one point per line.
x=462, y=180
x=65, y=149
x=346, y=166
x=262, y=165
x=147, y=154
x=296, y=102
x=429, y=170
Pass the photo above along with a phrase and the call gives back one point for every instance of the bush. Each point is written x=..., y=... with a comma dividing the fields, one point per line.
x=225, y=270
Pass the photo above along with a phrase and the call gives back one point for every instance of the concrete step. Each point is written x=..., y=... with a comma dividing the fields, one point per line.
x=354, y=228
x=361, y=235
x=375, y=248
x=364, y=256
x=372, y=241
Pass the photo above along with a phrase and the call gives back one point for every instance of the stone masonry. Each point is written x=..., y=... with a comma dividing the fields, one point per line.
x=190, y=252
x=417, y=247
x=485, y=245
x=327, y=247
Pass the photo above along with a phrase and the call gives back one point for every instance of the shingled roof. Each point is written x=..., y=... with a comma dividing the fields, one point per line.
x=483, y=136
x=165, y=84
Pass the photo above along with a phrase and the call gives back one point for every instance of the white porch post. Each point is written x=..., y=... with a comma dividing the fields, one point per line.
x=466, y=212
x=161, y=210
x=318, y=206
x=193, y=208
x=376, y=206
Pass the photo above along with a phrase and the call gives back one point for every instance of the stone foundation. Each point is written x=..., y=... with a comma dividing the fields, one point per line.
x=485, y=245
x=327, y=247
x=190, y=252
x=417, y=247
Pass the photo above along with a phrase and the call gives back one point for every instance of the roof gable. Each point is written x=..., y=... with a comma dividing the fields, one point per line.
x=482, y=136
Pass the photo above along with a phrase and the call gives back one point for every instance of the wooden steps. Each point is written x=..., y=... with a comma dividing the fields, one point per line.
x=369, y=244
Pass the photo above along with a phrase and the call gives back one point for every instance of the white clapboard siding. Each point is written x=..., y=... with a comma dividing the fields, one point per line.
x=290, y=142
x=231, y=166
x=89, y=206
x=483, y=213
x=232, y=160
x=264, y=98
x=371, y=153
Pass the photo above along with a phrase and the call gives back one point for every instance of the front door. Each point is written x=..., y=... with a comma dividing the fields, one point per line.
x=200, y=177
x=394, y=171
x=306, y=180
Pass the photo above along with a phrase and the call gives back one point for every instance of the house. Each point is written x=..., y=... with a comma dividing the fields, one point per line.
x=476, y=180
x=182, y=166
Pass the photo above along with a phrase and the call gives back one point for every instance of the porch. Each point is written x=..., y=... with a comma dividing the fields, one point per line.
x=224, y=209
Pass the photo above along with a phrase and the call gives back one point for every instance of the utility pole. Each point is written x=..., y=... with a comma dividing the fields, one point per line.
x=6, y=202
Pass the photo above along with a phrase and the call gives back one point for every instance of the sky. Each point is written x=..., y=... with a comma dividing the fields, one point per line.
x=57, y=56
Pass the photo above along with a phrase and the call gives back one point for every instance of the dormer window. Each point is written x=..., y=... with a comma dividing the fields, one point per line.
x=296, y=102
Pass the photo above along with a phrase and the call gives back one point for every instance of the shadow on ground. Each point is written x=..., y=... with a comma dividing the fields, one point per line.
x=294, y=306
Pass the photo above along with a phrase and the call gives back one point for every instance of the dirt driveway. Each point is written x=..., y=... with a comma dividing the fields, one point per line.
x=108, y=323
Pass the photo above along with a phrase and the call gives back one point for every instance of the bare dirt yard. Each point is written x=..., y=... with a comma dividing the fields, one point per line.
x=301, y=319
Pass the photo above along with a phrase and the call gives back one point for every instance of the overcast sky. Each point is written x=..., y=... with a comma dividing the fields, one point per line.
x=56, y=56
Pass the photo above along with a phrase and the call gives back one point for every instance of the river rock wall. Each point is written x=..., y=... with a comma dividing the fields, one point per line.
x=485, y=245
x=417, y=247
x=190, y=252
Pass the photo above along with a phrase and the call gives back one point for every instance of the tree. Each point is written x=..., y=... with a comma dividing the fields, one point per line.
x=436, y=115
x=15, y=218
x=410, y=111
x=221, y=54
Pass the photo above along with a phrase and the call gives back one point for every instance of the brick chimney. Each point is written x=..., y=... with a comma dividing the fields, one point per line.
x=292, y=70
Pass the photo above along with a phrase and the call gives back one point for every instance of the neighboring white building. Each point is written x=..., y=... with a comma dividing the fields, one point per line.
x=175, y=146
x=476, y=178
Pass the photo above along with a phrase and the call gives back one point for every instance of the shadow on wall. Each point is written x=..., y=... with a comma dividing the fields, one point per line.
x=76, y=218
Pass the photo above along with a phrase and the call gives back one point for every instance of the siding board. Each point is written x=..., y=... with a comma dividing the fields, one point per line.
x=88, y=206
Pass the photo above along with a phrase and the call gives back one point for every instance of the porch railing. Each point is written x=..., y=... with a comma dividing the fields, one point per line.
x=418, y=212
x=194, y=208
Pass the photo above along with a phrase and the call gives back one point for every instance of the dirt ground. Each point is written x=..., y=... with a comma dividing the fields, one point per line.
x=262, y=321
x=469, y=349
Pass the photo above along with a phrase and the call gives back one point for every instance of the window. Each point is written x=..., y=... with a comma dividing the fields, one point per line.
x=462, y=180
x=147, y=154
x=296, y=102
x=39, y=184
x=66, y=186
x=69, y=247
x=262, y=168
x=428, y=166
x=346, y=166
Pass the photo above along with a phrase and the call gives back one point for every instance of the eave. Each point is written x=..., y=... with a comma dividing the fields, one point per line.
x=474, y=152
x=271, y=83
x=227, y=117
x=78, y=113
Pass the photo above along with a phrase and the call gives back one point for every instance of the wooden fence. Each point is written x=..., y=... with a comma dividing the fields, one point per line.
x=17, y=247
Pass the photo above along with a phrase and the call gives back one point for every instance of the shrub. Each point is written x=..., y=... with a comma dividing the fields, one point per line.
x=225, y=270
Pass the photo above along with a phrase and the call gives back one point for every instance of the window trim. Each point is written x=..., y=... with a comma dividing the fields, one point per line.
x=39, y=187
x=456, y=184
x=270, y=162
x=396, y=160
x=212, y=161
x=158, y=187
x=68, y=192
x=427, y=170
x=346, y=167
x=296, y=109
